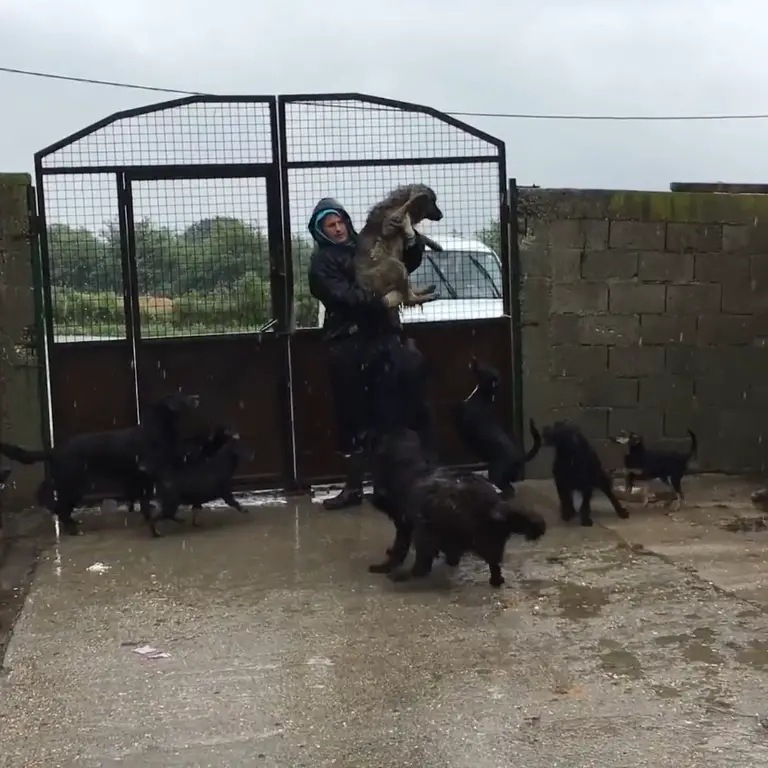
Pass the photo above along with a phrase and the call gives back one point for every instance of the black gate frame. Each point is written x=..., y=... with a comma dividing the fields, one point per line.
x=279, y=224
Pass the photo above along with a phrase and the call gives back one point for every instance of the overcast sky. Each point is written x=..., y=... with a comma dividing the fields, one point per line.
x=540, y=56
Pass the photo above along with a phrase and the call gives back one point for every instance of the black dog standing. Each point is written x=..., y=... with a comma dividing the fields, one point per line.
x=577, y=469
x=363, y=332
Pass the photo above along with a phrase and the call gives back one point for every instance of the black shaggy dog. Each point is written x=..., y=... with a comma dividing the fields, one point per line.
x=440, y=511
x=643, y=463
x=577, y=468
x=480, y=429
x=207, y=478
x=115, y=455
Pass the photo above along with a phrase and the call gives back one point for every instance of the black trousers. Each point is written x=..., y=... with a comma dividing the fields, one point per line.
x=366, y=386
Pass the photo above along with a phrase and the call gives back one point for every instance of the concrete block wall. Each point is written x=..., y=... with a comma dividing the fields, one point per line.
x=20, y=410
x=648, y=311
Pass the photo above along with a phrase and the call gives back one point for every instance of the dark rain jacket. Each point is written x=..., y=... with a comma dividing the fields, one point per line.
x=349, y=309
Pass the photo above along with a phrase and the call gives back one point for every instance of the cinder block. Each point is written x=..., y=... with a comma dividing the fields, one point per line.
x=579, y=297
x=727, y=329
x=683, y=360
x=661, y=392
x=593, y=421
x=580, y=361
x=667, y=329
x=561, y=392
x=565, y=264
x=721, y=268
x=722, y=389
x=677, y=421
x=741, y=363
x=666, y=267
x=637, y=235
x=694, y=299
x=631, y=297
x=607, y=391
x=603, y=265
x=590, y=234
x=648, y=422
x=689, y=238
x=564, y=329
x=745, y=239
x=534, y=260
x=636, y=361
x=610, y=330
x=535, y=299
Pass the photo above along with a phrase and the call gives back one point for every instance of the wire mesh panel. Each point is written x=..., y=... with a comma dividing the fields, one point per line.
x=193, y=131
x=467, y=272
x=86, y=277
x=202, y=256
x=358, y=152
x=358, y=149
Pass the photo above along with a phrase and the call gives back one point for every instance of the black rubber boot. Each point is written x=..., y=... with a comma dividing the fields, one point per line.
x=352, y=493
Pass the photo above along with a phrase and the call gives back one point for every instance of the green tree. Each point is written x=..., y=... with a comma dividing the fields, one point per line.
x=81, y=260
x=490, y=234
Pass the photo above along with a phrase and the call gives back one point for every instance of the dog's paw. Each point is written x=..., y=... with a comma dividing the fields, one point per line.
x=566, y=515
x=623, y=513
x=496, y=581
x=587, y=522
x=380, y=568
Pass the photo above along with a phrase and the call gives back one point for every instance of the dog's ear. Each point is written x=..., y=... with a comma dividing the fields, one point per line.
x=415, y=197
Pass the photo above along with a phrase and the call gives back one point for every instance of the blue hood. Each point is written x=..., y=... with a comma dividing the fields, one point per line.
x=323, y=208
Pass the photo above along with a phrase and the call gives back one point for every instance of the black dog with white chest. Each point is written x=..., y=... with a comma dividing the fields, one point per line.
x=643, y=463
x=577, y=468
x=442, y=512
x=480, y=429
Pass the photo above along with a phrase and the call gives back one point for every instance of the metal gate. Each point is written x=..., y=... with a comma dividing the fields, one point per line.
x=174, y=251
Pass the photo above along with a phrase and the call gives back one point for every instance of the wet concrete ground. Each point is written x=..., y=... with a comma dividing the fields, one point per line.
x=634, y=643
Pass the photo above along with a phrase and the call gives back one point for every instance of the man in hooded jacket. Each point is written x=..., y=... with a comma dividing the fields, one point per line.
x=364, y=336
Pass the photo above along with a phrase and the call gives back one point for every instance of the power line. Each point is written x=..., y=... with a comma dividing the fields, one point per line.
x=505, y=115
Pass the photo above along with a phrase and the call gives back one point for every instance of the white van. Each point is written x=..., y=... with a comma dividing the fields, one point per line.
x=468, y=277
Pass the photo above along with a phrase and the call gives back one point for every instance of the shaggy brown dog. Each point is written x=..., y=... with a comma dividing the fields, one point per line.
x=379, y=256
x=441, y=511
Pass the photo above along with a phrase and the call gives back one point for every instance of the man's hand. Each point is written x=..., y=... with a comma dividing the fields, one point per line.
x=408, y=227
x=392, y=299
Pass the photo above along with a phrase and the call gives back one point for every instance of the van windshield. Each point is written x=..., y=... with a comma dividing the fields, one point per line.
x=460, y=274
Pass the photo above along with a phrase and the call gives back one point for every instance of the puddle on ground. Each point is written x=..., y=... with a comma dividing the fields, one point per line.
x=695, y=646
x=616, y=660
x=755, y=655
x=666, y=692
x=578, y=601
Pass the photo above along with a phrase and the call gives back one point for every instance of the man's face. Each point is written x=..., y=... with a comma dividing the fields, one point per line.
x=335, y=229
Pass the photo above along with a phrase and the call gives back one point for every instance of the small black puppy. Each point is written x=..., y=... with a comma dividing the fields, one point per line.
x=480, y=429
x=642, y=463
x=441, y=511
x=577, y=468
x=200, y=482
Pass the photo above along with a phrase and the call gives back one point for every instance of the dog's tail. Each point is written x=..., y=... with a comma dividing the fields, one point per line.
x=536, y=447
x=22, y=455
x=694, y=450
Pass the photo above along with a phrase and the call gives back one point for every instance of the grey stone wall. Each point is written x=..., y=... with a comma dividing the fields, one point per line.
x=648, y=311
x=20, y=411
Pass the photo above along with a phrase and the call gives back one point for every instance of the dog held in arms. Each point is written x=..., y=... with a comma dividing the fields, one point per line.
x=577, y=468
x=441, y=511
x=379, y=263
x=480, y=429
x=75, y=463
x=643, y=463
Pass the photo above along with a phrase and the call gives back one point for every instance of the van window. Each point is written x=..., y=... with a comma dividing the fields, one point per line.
x=460, y=274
